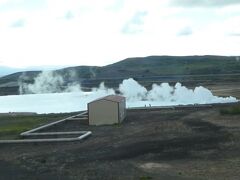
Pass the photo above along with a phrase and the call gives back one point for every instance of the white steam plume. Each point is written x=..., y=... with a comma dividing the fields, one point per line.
x=136, y=95
x=160, y=92
x=132, y=90
x=169, y=95
x=48, y=82
x=102, y=91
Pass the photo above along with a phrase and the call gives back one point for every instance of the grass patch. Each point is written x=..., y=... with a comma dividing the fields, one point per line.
x=145, y=178
x=231, y=110
x=12, y=125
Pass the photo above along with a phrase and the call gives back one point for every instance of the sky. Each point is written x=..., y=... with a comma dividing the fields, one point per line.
x=94, y=32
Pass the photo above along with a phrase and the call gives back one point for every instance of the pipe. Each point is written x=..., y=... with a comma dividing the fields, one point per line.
x=88, y=133
x=50, y=124
x=55, y=133
x=85, y=134
x=75, y=119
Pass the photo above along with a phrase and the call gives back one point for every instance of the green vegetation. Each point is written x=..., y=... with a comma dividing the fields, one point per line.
x=145, y=178
x=231, y=110
x=78, y=72
x=12, y=125
x=175, y=65
x=28, y=76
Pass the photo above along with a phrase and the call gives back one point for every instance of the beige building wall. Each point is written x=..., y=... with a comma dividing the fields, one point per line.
x=122, y=110
x=103, y=112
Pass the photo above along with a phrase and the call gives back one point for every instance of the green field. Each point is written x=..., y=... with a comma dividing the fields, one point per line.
x=231, y=110
x=12, y=125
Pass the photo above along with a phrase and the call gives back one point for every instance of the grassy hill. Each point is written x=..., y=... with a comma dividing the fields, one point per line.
x=173, y=65
x=160, y=66
x=28, y=75
x=138, y=67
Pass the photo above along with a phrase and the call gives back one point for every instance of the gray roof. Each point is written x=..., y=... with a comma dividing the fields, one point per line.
x=113, y=98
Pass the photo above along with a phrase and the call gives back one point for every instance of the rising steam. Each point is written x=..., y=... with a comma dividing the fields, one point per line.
x=166, y=94
x=48, y=82
x=70, y=97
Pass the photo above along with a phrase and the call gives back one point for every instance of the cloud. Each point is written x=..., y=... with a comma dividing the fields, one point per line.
x=18, y=23
x=134, y=25
x=69, y=15
x=138, y=18
x=187, y=31
x=117, y=5
x=231, y=26
x=234, y=34
x=8, y=5
x=93, y=32
x=203, y=3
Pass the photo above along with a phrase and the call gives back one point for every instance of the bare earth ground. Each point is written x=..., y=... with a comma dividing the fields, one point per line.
x=170, y=144
x=225, y=89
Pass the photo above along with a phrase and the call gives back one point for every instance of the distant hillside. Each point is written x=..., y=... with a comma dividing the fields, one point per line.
x=28, y=75
x=172, y=65
x=139, y=67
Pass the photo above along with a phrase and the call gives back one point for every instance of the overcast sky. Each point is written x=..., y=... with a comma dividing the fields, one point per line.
x=94, y=32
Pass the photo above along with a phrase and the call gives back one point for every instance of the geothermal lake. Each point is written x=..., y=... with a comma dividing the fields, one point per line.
x=137, y=96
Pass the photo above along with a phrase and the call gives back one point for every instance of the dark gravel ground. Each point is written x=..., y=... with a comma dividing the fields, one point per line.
x=170, y=144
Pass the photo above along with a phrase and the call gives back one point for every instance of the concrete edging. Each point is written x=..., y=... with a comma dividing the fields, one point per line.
x=32, y=132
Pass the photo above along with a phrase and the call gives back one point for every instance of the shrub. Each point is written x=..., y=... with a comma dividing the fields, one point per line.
x=230, y=111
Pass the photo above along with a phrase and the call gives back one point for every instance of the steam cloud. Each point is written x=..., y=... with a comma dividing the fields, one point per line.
x=48, y=82
x=52, y=96
x=164, y=94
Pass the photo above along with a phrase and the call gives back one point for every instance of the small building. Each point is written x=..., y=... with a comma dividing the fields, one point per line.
x=107, y=110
